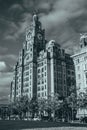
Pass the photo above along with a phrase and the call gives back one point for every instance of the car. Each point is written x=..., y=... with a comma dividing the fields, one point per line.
x=36, y=119
x=83, y=119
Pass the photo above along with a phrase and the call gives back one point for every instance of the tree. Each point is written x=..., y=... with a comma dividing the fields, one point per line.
x=56, y=105
x=82, y=101
x=71, y=102
x=33, y=107
x=41, y=106
x=53, y=105
x=21, y=106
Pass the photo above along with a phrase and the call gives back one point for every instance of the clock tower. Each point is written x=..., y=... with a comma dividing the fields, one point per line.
x=35, y=35
x=35, y=42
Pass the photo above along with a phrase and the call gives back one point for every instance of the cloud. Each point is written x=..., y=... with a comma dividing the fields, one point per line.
x=63, y=21
x=2, y=66
x=15, y=7
x=5, y=78
x=17, y=29
x=10, y=60
x=4, y=99
x=3, y=49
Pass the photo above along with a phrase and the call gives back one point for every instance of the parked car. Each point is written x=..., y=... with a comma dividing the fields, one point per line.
x=36, y=119
x=83, y=120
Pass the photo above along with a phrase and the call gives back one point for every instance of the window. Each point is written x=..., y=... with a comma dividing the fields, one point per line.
x=45, y=73
x=27, y=79
x=30, y=76
x=38, y=76
x=45, y=62
x=78, y=76
x=26, y=85
x=30, y=95
x=77, y=61
x=63, y=52
x=42, y=69
x=85, y=58
x=31, y=49
x=85, y=66
x=45, y=94
x=86, y=75
x=27, y=67
x=38, y=82
x=38, y=70
x=38, y=94
x=42, y=87
x=27, y=73
x=78, y=67
x=64, y=81
x=38, y=88
x=42, y=94
x=30, y=70
x=45, y=67
x=72, y=73
x=45, y=86
x=42, y=81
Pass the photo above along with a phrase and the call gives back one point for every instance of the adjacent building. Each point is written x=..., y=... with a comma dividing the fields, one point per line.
x=43, y=67
x=80, y=62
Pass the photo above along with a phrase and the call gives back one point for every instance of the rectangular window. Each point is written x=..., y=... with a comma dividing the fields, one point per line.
x=42, y=69
x=77, y=61
x=45, y=73
x=30, y=82
x=42, y=94
x=31, y=49
x=42, y=87
x=78, y=68
x=27, y=79
x=38, y=82
x=38, y=70
x=45, y=86
x=86, y=75
x=30, y=76
x=42, y=75
x=27, y=73
x=45, y=67
x=38, y=76
x=85, y=66
x=78, y=76
x=38, y=94
x=38, y=88
x=42, y=81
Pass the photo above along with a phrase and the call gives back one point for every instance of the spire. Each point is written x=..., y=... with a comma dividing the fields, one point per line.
x=35, y=17
x=83, y=40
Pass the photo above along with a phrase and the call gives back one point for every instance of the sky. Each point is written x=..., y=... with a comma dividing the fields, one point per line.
x=63, y=21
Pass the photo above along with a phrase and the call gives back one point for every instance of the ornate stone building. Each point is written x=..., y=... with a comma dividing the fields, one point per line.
x=80, y=61
x=43, y=67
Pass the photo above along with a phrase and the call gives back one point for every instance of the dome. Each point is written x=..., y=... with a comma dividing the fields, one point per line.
x=51, y=43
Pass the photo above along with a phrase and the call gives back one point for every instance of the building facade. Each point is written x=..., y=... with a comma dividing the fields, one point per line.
x=43, y=67
x=80, y=62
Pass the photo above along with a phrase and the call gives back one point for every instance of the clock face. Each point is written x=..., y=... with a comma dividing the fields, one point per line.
x=39, y=36
x=86, y=40
x=29, y=34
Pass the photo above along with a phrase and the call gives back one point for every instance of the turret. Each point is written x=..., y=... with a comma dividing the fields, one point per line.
x=83, y=40
x=35, y=19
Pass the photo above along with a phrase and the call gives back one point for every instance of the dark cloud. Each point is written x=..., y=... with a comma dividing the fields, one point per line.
x=63, y=21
